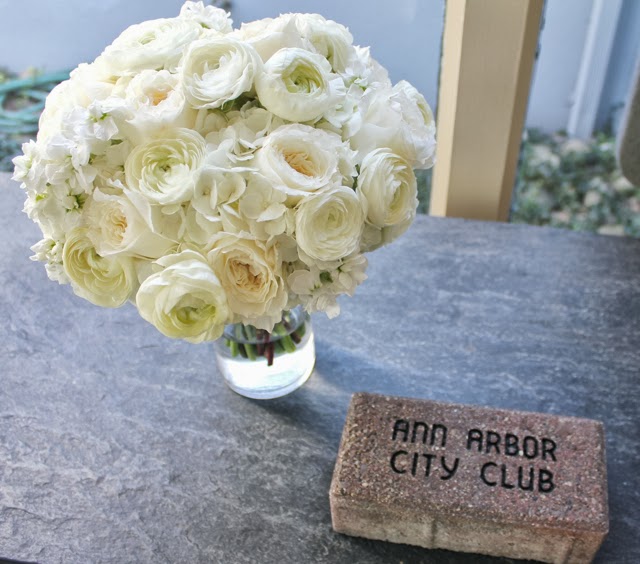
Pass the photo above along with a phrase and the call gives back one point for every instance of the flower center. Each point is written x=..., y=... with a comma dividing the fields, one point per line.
x=157, y=97
x=303, y=79
x=300, y=162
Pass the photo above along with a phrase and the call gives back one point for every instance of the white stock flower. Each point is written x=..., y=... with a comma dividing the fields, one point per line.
x=154, y=44
x=209, y=17
x=318, y=289
x=216, y=70
x=298, y=85
x=389, y=187
x=329, y=224
x=166, y=170
x=398, y=119
x=364, y=71
x=116, y=226
x=298, y=160
x=250, y=273
x=49, y=251
x=104, y=281
x=28, y=168
x=185, y=299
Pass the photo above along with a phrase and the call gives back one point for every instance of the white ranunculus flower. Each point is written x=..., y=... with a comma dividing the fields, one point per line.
x=216, y=70
x=389, y=187
x=329, y=224
x=272, y=34
x=209, y=17
x=298, y=160
x=116, y=226
x=104, y=281
x=398, y=119
x=330, y=39
x=250, y=273
x=166, y=170
x=154, y=44
x=185, y=299
x=298, y=85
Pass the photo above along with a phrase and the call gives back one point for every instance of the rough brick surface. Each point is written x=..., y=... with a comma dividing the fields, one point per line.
x=471, y=479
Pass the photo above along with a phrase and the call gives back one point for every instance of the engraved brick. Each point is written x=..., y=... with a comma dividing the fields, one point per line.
x=471, y=479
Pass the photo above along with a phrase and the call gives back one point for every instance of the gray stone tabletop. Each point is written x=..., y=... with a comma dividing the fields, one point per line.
x=120, y=445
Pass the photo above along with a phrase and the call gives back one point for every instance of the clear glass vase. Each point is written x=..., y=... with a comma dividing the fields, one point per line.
x=262, y=365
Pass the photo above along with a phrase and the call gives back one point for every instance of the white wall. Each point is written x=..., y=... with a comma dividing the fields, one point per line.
x=625, y=57
x=405, y=36
x=55, y=35
x=556, y=70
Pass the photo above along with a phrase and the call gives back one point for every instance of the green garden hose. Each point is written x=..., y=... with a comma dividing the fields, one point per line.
x=24, y=121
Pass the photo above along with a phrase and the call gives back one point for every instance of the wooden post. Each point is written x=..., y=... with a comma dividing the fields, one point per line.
x=489, y=48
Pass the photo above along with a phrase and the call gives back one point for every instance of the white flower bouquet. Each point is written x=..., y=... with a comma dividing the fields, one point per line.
x=214, y=176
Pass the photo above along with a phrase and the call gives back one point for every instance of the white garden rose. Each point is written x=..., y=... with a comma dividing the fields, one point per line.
x=330, y=39
x=329, y=224
x=166, y=170
x=216, y=70
x=154, y=100
x=104, y=281
x=269, y=35
x=398, y=119
x=250, y=273
x=298, y=85
x=185, y=299
x=389, y=187
x=209, y=17
x=154, y=44
x=116, y=226
x=298, y=160
x=59, y=101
